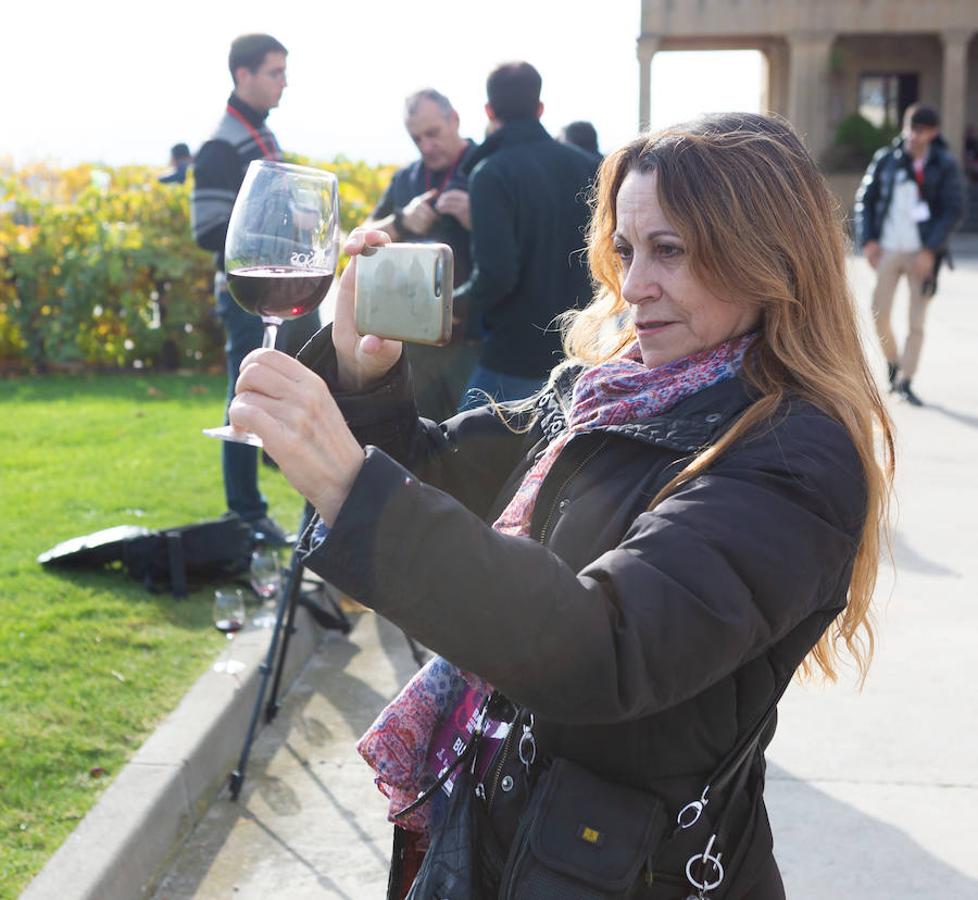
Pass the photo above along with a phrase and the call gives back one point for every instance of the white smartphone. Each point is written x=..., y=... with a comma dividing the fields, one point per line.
x=404, y=292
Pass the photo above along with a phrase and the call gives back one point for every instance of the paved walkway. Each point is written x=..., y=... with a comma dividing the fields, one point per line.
x=872, y=795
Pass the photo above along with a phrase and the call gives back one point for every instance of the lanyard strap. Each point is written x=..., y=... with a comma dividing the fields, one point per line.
x=918, y=173
x=448, y=175
x=256, y=135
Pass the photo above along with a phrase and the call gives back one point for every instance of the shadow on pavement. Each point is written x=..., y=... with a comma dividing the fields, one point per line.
x=964, y=418
x=281, y=806
x=394, y=642
x=323, y=880
x=907, y=558
x=345, y=813
x=828, y=849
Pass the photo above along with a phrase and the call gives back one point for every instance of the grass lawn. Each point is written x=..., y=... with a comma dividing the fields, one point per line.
x=90, y=662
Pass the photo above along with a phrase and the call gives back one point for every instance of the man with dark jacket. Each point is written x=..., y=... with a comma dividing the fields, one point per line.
x=529, y=212
x=257, y=64
x=428, y=200
x=909, y=202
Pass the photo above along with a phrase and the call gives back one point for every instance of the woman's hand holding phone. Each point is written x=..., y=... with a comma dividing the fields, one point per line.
x=363, y=360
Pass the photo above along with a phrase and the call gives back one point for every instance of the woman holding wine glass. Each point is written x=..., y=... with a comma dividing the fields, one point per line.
x=628, y=568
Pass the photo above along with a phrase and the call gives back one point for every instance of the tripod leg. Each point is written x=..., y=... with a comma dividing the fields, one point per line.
x=286, y=601
x=284, y=613
x=292, y=590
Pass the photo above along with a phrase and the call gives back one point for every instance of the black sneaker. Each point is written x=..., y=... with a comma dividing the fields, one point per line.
x=891, y=374
x=266, y=531
x=907, y=393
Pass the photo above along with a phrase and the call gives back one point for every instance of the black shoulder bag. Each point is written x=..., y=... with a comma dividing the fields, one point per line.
x=582, y=837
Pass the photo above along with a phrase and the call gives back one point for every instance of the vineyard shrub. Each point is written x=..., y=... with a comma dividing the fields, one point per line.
x=98, y=267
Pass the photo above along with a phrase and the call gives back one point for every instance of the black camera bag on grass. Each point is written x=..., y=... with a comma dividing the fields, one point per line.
x=173, y=559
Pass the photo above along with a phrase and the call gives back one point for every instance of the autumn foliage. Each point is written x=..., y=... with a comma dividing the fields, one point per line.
x=98, y=268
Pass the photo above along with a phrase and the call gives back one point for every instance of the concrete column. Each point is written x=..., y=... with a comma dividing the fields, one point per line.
x=808, y=88
x=776, y=90
x=647, y=46
x=954, y=91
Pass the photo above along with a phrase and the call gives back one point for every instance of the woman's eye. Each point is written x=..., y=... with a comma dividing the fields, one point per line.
x=669, y=251
x=623, y=251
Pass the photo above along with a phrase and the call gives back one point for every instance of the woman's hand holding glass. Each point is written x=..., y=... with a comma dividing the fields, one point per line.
x=293, y=412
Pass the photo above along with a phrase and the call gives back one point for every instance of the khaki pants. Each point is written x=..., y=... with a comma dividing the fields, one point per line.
x=891, y=267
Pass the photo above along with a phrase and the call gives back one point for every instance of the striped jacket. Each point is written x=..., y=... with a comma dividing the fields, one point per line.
x=219, y=170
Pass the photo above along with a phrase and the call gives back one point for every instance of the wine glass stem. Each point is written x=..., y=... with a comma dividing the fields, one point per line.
x=271, y=324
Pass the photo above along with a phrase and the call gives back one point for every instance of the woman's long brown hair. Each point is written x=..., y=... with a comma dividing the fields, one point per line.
x=759, y=225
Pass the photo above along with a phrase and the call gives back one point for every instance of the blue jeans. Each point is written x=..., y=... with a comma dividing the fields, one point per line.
x=244, y=333
x=497, y=385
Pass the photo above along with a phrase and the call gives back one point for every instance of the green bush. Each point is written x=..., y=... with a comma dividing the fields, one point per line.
x=98, y=267
x=856, y=140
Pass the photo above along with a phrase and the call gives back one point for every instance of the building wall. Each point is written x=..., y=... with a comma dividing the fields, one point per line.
x=736, y=17
x=971, y=111
x=856, y=55
x=817, y=50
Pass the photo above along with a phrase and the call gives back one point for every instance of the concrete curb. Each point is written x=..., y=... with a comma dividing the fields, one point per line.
x=122, y=846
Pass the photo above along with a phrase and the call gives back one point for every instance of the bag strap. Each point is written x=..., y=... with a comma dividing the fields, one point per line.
x=427, y=794
x=177, y=563
x=731, y=773
x=735, y=760
x=744, y=748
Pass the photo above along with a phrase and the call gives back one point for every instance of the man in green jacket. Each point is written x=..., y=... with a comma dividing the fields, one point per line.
x=529, y=212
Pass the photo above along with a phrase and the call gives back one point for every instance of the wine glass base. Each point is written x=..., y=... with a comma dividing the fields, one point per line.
x=229, y=666
x=230, y=433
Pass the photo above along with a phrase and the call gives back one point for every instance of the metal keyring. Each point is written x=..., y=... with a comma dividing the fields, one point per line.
x=527, y=738
x=707, y=857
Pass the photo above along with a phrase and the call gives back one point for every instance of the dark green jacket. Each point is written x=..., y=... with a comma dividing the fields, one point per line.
x=529, y=213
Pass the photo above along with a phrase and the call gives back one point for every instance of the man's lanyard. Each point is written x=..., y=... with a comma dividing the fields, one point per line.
x=448, y=175
x=256, y=136
x=918, y=174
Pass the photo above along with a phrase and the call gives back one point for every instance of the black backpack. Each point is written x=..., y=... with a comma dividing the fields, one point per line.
x=173, y=559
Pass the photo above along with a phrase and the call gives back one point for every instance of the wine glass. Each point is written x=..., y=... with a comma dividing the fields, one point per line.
x=281, y=249
x=229, y=618
x=266, y=580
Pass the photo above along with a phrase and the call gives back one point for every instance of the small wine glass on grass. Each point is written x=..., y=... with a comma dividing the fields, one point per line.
x=229, y=619
x=266, y=582
x=281, y=249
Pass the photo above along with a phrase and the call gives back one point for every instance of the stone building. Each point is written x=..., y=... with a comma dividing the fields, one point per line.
x=827, y=59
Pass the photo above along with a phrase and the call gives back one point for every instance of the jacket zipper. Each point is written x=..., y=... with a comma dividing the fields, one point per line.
x=567, y=481
x=503, y=754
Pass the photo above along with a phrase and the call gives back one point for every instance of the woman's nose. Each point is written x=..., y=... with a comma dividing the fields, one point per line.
x=640, y=283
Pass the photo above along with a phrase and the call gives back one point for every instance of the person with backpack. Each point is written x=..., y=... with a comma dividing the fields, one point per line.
x=622, y=572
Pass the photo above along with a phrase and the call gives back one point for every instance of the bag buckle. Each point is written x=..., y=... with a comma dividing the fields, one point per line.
x=527, y=747
x=705, y=886
x=690, y=814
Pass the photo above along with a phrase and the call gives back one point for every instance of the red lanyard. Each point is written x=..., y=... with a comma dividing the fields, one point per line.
x=918, y=174
x=448, y=175
x=268, y=154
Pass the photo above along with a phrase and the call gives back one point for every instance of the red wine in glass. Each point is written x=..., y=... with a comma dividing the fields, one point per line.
x=283, y=292
x=228, y=626
x=281, y=249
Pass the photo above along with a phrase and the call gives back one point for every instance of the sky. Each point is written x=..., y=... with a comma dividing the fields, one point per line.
x=114, y=82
